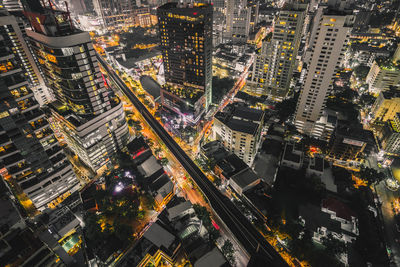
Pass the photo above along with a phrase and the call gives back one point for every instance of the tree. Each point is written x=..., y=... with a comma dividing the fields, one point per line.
x=131, y=123
x=217, y=181
x=148, y=201
x=128, y=113
x=333, y=245
x=123, y=232
x=213, y=235
x=220, y=88
x=287, y=107
x=157, y=150
x=203, y=214
x=164, y=161
x=228, y=250
x=361, y=71
x=146, y=102
x=371, y=176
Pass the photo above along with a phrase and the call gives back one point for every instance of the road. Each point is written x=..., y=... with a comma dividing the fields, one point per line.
x=243, y=231
x=387, y=197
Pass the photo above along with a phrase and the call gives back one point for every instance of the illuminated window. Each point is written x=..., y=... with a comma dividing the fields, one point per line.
x=5, y=67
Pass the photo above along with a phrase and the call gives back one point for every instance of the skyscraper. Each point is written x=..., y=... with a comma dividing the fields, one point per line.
x=31, y=158
x=238, y=16
x=89, y=114
x=16, y=28
x=186, y=45
x=329, y=37
x=273, y=68
x=115, y=14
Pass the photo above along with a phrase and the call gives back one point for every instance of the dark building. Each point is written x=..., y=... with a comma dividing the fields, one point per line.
x=87, y=113
x=186, y=44
x=30, y=157
x=349, y=146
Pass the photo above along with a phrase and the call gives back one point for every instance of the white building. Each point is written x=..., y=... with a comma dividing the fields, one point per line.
x=327, y=45
x=239, y=129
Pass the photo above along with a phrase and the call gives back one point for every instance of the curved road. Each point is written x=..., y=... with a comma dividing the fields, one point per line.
x=252, y=241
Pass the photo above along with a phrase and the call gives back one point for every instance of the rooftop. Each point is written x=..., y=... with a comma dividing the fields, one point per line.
x=213, y=258
x=151, y=86
x=159, y=236
x=177, y=210
x=245, y=178
x=240, y=118
x=149, y=166
x=290, y=155
x=341, y=209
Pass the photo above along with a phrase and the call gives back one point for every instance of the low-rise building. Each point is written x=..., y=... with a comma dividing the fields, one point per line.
x=244, y=180
x=239, y=129
x=390, y=141
x=350, y=145
x=386, y=106
x=157, y=247
x=293, y=156
x=334, y=218
x=267, y=161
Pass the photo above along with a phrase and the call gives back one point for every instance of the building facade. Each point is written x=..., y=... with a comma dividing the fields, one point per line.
x=90, y=116
x=390, y=141
x=31, y=158
x=238, y=17
x=383, y=74
x=350, y=146
x=239, y=130
x=326, y=50
x=115, y=14
x=15, y=28
x=186, y=45
x=386, y=106
x=273, y=69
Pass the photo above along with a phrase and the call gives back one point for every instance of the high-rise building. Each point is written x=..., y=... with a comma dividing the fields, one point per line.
x=16, y=32
x=90, y=116
x=31, y=158
x=239, y=130
x=238, y=16
x=186, y=45
x=255, y=7
x=273, y=68
x=21, y=245
x=12, y=5
x=115, y=14
x=327, y=45
x=219, y=24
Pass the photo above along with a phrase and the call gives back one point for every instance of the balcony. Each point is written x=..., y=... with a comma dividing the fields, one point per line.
x=8, y=150
x=34, y=115
x=46, y=132
x=27, y=104
x=13, y=159
x=39, y=124
x=53, y=151
x=4, y=140
x=18, y=169
x=21, y=93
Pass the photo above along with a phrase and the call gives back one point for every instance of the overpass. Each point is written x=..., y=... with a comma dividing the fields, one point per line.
x=244, y=232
